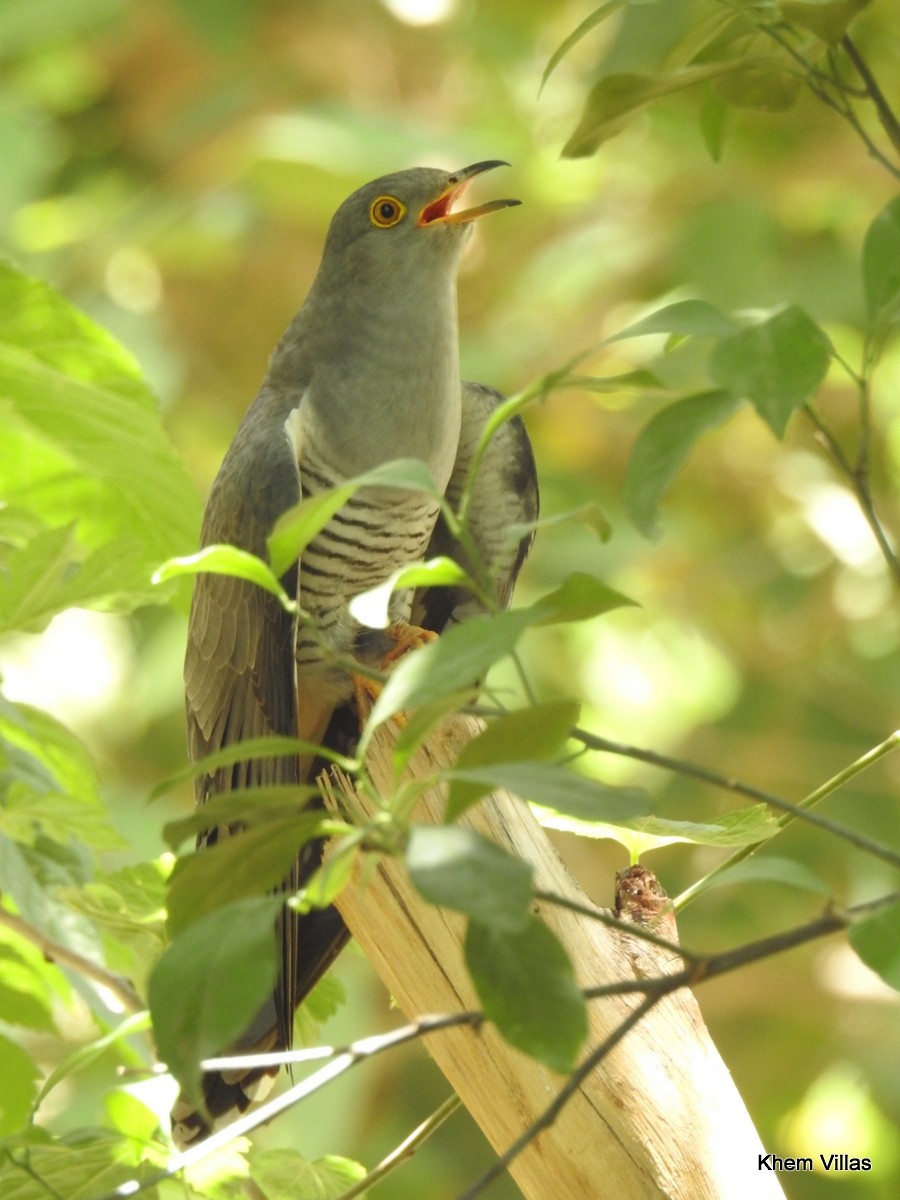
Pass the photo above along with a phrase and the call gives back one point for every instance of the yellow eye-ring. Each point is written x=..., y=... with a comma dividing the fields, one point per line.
x=386, y=211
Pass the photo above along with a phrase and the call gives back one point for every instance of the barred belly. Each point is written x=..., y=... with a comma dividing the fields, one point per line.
x=375, y=533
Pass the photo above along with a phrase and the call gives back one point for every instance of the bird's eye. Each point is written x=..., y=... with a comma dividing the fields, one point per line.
x=386, y=211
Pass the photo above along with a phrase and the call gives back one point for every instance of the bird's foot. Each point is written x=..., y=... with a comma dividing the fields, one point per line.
x=366, y=690
x=405, y=638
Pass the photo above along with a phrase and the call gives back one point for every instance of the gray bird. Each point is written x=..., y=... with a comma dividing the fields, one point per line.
x=368, y=371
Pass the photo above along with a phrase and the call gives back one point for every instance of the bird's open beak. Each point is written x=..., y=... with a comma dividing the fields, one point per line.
x=439, y=210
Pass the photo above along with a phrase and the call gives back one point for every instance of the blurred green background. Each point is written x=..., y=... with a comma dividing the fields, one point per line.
x=171, y=166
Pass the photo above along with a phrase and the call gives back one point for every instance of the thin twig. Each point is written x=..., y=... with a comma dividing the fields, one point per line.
x=858, y=477
x=886, y=115
x=405, y=1150
x=57, y=953
x=605, y=917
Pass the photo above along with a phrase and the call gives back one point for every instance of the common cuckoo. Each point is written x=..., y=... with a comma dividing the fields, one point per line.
x=368, y=371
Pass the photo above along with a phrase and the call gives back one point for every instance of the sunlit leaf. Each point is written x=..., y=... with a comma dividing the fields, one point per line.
x=527, y=987
x=20, y=1073
x=25, y=996
x=746, y=827
x=79, y=1166
x=663, y=445
x=52, y=572
x=224, y=560
x=87, y=444
x=283, y=1174
x=371, y=608
x=210, y=981
x=541, y=729
x=777, y=364
x=876, y=940
x=459, y=869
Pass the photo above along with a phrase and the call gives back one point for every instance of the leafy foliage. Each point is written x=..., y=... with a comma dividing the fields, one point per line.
x=771, y=339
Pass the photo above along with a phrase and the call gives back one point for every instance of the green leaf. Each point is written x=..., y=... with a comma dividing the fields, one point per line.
x=455, y=662
x=128, y=907
x=745, y=827
x=527, y=987
x=558, y=787
x=25, y=997
x=211, y=981
x=770, y=81
x=579, y=598
x=543, y=728
x=286, y=1175
x=297, y=527
x=326, y=999
x=79, y=1166
x=663, y=445
x=245, y=863
x=83, y=441
x=881, y=266
x=640, y=380
x=614, y=98
x=88, y=1052
x=876, y=940
x=48, y=783
x=245, y=751
x=243, y=806
x=778, y=364
x=331, y=877
x=225, y=560
x=32, y=875
x=52, y=572
x=19, y=1073
x=459, y=869
x=590, y=514
x=371, y=607
x=687, y=318
x=713, y=122
x=763, y=868
x=591, y=22
x=827, y=19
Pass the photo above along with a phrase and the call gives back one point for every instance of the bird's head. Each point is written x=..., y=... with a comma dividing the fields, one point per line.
x=403, y=223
